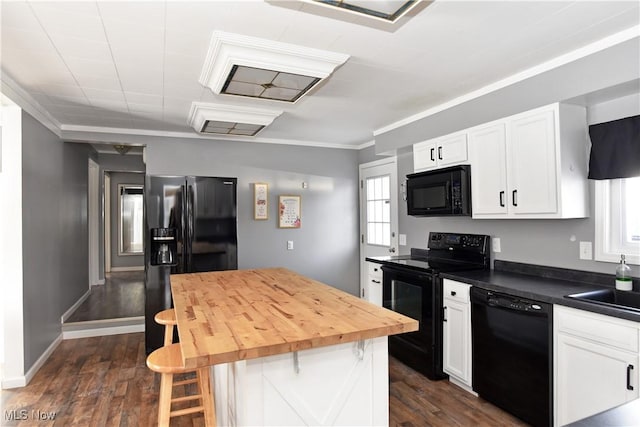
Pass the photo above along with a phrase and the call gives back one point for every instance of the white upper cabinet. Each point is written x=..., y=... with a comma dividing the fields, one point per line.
x=487, y=146
x=445, y=151
x=531, y=165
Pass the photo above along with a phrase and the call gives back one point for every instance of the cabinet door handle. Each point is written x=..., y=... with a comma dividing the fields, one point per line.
x=502, y=199
x=432, y=158
x=375, y=281
x=514, y=199
x=629, y=369
x=440, y=152
x=444, y=314
x=453, y=293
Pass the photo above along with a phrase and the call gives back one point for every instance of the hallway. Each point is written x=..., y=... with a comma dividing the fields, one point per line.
x=121, y=297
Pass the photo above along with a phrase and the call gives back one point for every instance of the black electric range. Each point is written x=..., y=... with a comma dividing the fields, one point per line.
x=411, y=285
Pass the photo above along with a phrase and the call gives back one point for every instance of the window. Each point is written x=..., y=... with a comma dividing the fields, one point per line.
x=618, y=220
x=131, y=219
x=378, y=211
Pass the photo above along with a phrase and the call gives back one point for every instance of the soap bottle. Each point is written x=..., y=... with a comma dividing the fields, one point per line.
x=623, y=276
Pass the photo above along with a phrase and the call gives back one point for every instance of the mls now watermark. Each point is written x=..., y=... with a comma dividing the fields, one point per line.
x=25, y=414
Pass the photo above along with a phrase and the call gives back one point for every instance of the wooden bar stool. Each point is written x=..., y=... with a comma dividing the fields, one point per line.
x=167, y=361
x=168, y=319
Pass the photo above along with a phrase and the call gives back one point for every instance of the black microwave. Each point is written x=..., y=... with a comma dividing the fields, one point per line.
x=440, y=192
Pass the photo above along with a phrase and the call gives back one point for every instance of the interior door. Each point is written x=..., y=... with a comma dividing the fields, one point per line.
x=378, y=212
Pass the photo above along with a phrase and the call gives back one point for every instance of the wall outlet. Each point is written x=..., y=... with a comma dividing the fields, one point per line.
x=289, y=245
x=403, y=239
x=495, y=244
x=586, y=250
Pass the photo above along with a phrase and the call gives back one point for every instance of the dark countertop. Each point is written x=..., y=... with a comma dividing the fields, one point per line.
x=544, y=289
x=540, y=283
x=624, y=415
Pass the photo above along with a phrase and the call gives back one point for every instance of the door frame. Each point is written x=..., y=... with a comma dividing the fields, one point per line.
x=394, y=218
x=93, y=223
x=107, y=222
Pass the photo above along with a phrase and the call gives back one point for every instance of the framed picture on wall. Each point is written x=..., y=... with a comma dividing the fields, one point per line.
x=260, y=201
x=289, y=212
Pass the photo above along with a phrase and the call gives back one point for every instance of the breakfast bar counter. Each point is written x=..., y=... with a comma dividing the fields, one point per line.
x=286, y=349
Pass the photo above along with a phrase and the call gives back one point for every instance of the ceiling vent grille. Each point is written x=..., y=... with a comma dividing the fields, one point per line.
x=389, y=11
x=229, y=120
x=257, y=68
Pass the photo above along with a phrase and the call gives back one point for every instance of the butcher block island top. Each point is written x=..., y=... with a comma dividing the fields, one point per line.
x=226, y=316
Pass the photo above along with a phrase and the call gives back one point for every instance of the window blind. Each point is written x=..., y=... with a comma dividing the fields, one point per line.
x=615, y=149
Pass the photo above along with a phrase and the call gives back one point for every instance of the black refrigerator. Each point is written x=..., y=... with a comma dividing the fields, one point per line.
x=190, y=226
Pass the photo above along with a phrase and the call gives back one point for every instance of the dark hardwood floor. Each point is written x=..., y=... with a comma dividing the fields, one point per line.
x=121, y=296
x=416, y=401
x=103, y=381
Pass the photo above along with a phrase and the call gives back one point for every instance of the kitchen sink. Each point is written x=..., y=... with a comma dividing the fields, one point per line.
x=627, y=300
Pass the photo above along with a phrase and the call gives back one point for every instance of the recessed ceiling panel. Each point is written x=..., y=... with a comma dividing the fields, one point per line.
x=387, y=10
x=248, y=66
x=267, y=84
x=229, y=119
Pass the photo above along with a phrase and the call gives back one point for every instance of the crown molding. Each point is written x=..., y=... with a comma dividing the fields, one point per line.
x=12, y=90
x=602, y=44
x=111, y=135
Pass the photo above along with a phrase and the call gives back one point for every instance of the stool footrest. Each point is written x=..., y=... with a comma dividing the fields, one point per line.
x=187, y=411
x=185, y=382
x=186, y=398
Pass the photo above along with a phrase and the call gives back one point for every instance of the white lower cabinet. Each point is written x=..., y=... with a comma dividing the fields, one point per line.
x=372, y=290
x=596, y=363
x=456, y=332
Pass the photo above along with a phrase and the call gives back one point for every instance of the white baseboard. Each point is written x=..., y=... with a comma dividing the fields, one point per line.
x=100, y=332
x=117, y=269
x=74, y=307
x=462, y=385
x=22, y=381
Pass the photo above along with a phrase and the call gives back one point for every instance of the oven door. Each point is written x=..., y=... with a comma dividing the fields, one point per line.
x=416, y=295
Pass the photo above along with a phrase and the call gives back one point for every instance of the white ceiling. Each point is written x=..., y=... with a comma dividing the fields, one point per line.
x=135, y=65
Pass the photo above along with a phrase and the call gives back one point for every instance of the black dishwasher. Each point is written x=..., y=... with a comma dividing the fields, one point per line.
x=513, y=354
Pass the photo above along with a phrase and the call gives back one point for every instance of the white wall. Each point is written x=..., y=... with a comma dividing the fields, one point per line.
x=12, y=345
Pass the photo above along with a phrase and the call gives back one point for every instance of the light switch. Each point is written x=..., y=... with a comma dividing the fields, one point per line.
x=402, y=239
x=495, y=243
x=586, y=250
x=289, y=245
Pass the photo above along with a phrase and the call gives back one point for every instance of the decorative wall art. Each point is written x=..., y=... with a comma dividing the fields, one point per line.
x=260, y=201
x=289, y=211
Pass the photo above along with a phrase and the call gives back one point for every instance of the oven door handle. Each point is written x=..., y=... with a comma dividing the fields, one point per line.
x=395, y=270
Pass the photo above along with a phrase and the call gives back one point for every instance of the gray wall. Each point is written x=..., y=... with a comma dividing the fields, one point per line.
x=113, y=163
x=116, y=179
x=326, y=246
x=54, y=228
x=544, y=242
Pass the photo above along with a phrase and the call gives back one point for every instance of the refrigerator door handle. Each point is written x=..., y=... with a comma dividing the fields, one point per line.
x=189, y=228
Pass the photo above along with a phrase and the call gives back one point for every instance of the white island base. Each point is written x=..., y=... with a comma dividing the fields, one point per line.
x=338, y=385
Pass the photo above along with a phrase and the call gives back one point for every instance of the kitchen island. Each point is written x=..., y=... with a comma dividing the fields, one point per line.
x=286, y=349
